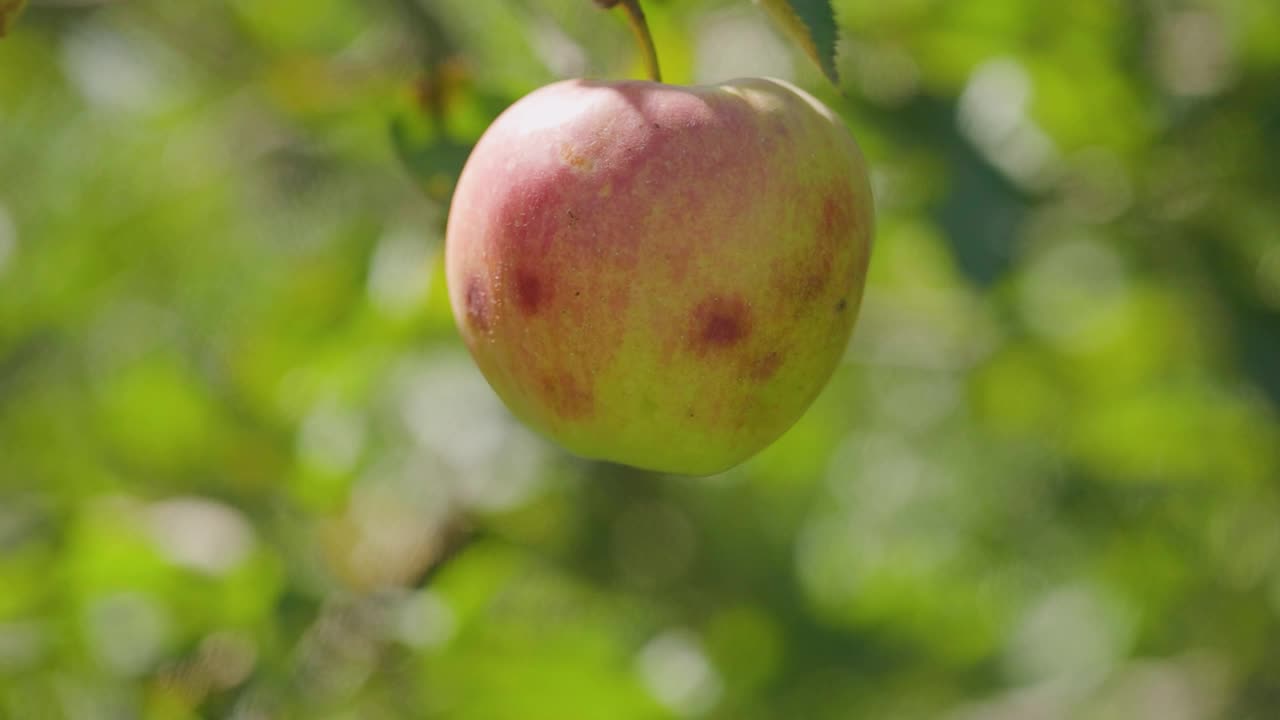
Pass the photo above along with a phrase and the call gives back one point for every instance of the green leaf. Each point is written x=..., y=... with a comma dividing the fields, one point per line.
x=9, y=10
x=812, y=24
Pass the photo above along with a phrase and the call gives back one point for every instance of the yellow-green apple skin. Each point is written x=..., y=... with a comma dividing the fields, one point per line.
x=656, y=275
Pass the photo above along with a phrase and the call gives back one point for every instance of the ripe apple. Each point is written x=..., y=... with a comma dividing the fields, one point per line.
x=660, y=276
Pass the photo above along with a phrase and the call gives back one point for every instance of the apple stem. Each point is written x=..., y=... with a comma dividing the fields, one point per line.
x=639, y=26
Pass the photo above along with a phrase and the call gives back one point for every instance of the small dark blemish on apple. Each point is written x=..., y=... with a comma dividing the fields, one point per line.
x=837, y=216
x=766, y=366
x=572, y=218
x=811, y=286
x=531, y=292
x=830, y=215
x=840, y=306
x=477, y=305
x=568, y=397
x=719, y=323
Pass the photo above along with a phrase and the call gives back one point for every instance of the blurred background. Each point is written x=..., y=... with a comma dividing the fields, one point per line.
x=248, y=471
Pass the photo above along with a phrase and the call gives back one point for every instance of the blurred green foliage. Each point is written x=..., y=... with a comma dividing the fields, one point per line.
x=247, y=470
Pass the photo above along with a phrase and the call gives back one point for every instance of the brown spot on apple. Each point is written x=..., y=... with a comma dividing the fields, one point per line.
x=575, y=159
x=719, y=323
x=766, y=366
x=477, y=306
x=812, y=285
x=835, y=218
x=834, y=227
x=531, y=292
x=807, y=277
x=569, y=398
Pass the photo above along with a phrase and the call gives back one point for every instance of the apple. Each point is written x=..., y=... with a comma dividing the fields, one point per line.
x=660, y=276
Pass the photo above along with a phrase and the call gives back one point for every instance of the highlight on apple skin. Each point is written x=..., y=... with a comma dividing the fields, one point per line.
x=661, y=276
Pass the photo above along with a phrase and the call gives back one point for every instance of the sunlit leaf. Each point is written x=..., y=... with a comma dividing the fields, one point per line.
x=812, y=25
